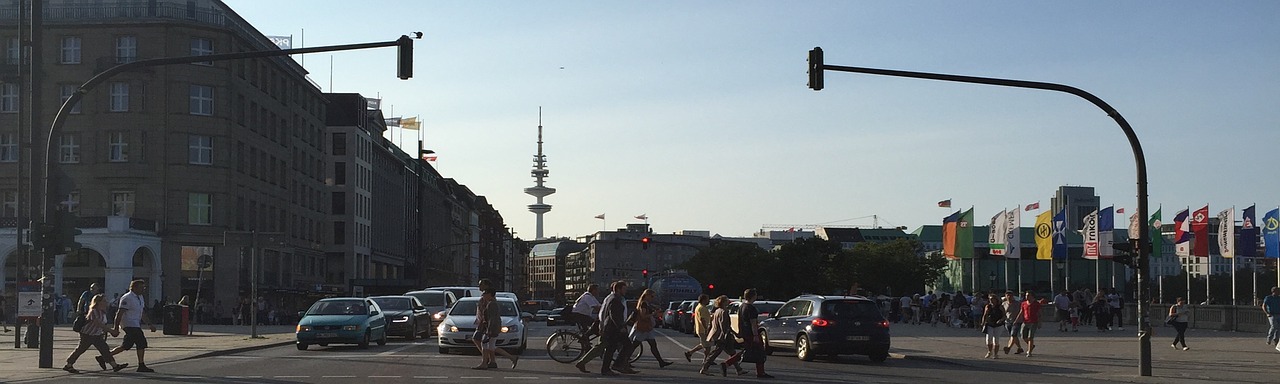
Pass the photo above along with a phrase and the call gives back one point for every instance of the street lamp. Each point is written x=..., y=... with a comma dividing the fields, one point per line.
x=991, y=277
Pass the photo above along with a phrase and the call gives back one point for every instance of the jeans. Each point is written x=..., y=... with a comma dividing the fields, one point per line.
x=1274, y=333
x=1181, y=327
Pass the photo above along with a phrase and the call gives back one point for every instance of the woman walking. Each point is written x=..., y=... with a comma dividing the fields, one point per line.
x=646, y=315
x=1101, y=312
x=490, y=326
x=701, y=325
x=721, y=335
x=93, y=334
x=990, y=321
x=1178, y=316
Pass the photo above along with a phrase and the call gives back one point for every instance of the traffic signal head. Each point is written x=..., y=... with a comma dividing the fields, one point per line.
x=66, y=233
x=645, y=272
x=644, y=242
x=815, y=68
x=404, y=57
x=711, y=286
x=43, y=236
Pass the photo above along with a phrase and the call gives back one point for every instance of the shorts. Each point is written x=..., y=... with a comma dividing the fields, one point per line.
x=133, y=336
x=478, y=335
x=1028, y=331
x=489, y=343
x=1011, y=329
x=1063, y=315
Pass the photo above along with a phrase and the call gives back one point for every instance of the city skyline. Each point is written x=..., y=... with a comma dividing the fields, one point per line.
x=696, y=115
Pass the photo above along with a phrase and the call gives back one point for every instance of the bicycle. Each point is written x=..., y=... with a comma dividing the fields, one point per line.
x=567, y=346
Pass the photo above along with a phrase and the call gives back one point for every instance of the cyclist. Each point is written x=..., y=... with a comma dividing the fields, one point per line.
x=586, y=312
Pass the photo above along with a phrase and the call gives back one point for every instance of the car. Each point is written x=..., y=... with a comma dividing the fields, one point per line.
x=815, y=325
x=406, y=316
x=684, y=323
x=554, y=317
x=669, y=316
x=341, y=320
x=459, y=292
x=763, y=307
x=541, y=315
x=458, y=325
x=436, y=302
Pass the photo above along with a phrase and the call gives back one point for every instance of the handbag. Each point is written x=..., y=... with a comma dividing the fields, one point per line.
x=753, y=354
x=78, y=324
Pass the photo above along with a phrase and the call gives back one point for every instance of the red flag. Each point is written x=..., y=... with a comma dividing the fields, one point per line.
x=1200, y=227
x=945, y=203
x=1035, y=205
x=1119, y=210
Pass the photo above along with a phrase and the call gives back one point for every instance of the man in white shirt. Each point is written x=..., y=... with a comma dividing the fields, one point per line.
x=587, y=308
x=1062, y=306
x=130, y=316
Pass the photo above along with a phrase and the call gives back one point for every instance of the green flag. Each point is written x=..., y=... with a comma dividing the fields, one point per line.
x=1157, y=239
x=964, y=235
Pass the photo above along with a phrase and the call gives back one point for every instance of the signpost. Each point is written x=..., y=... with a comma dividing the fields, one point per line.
x=29, y=300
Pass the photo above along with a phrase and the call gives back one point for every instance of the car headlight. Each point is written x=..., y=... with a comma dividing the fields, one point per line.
x=303, y=328
x=400, y=320
x=506, y=329
x=350, y=327
x=453, y=328
x=438, y=315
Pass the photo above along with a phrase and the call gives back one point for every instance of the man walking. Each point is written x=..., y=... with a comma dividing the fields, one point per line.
x=130, y=316
x=613, y=334
x=1030, y=320
x=1271, y=306
x=1062, y=308
x=1013, y=322
x=82, y=306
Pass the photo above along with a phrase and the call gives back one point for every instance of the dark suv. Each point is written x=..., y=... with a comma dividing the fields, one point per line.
x=815, y=325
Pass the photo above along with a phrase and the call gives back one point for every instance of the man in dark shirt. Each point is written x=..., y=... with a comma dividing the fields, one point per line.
x=748, y=330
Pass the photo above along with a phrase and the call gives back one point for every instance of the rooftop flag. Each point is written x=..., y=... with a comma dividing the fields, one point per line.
x=642, y=217
x=410, y=123
x=600, y=216
x=1033, y=206
x=945, y=203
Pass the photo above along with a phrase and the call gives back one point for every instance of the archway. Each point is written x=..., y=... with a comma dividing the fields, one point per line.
x=82, y=268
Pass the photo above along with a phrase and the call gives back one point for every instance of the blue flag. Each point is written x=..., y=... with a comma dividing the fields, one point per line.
x=1060, y=235
x=1248, y=246
x=1271, y=233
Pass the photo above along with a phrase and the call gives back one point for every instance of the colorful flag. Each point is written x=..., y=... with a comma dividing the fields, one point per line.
x=1248, y=234
x=410, y=123
x=945, y=203
x=949, y=235
x=1227, y=233
x=1271, y=233
x=1060, y=235
x=1035, y=205
x=1044, y=236
x=600, y=216
x=1200, y=225
x=392, y=121
x=642, y=217
x=1106, y=233
x=1089, y=231
x=1182, y=234
x=1013, y=246
x=964, y=235
x=996, y=233
x=1157, y=234
x=429, y=157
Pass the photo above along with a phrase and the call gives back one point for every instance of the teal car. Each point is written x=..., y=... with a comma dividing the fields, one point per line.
x=342, y=320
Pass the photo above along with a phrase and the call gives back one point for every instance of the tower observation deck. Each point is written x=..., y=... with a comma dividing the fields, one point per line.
x=539, y=174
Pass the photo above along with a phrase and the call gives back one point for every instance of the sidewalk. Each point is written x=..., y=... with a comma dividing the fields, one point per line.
x=1089, y=355
x=208, y=340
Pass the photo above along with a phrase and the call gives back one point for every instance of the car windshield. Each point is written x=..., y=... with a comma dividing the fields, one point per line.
x=468, y=308
x=430, y=299
x=392, y=303
x=850, y=309
x=338, y=307
x=764, y=308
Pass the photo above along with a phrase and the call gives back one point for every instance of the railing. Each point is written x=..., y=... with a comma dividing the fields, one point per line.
x=1240, y=318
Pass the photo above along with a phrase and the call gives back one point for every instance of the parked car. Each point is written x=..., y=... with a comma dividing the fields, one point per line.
x=342, y=320
x=455, y=332
x=685, y=314
x=554, y=317
x=670, y=315
x=405, y=316
x=436, y=302
x=765, y=308
x=816, y=325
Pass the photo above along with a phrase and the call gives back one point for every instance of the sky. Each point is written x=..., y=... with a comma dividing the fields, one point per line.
x=696, y=114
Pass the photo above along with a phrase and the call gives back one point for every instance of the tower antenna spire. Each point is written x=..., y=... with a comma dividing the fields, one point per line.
x=539, y=190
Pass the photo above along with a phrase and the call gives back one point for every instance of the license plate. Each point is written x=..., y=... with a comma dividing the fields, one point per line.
x=327, y=335
x=857, y=338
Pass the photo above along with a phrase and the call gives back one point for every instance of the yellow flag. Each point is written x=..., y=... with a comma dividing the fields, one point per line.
x=410, y=123
x=1044, y=236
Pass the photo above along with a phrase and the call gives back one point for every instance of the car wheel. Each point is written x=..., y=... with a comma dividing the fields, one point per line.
x=364, y=342
x=443, y=350
x=302, y=347
x=324, y=344
x=879, y=357
x=413, y=331
x=804, y=350
x=383, y=340
x=764, y=339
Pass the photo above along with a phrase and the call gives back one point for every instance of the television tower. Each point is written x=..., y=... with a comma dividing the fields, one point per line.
x=539, y=173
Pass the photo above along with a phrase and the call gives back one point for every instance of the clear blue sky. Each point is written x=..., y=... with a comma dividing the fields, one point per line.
x=696, y=113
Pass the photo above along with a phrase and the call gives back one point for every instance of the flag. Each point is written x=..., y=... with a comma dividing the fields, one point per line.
x=1181, y=234
x=964, y=235
x=949, y=235
x=373, y=104
x=428, y=157
x=1227, y=233
x=1134, y=226
x=1013, y=246
x=392, y=121
x=1200, y=225
x=1157, y=235
x=642, y=217
x=1271, y=233
x=945, y=203
x=1119, y=210
x=1089, y=231
x=600, y=216
x=1248, y=234
x=1060, y=234
x=1106, y=233
x=410, y=123
x=1044, y=236
x=996, y=233
x=1035, y=205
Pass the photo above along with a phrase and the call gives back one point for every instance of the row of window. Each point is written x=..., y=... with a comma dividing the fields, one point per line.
x=70, y=47
x=200, y=98
x=199, y=148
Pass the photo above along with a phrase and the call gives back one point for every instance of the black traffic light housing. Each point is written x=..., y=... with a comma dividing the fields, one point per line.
x=43, y=236
x=66, y=233
x=1125, y=253
x=815, y=68
x=404, y=57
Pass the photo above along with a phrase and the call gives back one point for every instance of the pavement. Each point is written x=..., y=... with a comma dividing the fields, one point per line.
x=19, y=364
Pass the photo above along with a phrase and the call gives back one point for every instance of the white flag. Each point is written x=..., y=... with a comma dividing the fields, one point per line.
x=1227, y=233
x=1013, y=230
x=1134, y=227
x=1090, y=233
x=996, y=233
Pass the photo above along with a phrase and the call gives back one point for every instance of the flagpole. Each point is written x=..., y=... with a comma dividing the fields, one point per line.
x=1233, y=258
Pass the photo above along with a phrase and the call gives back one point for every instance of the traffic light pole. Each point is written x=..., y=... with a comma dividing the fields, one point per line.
x=404, y=71
x=817, y=66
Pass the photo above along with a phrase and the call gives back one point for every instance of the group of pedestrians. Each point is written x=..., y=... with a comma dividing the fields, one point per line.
x=129, y=318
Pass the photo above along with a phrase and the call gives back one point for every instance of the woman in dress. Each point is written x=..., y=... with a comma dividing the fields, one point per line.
x=721, y=334
x=646, y=316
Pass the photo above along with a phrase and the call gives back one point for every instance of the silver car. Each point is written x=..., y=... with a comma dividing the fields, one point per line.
x=460, y=322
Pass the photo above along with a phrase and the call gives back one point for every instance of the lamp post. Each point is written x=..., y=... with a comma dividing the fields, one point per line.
x=817, y=67
x=991, y=277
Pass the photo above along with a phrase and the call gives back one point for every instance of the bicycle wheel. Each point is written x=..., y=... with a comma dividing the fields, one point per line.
x=635, y=355
x=564, y=347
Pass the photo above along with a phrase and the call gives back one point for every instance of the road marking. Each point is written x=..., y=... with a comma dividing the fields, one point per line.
x=475, y=377
x=290, y=377
x=244, y=377
x=520, y=378
x=338, y=377
x=393, y=351
x=676, y=342
x=566, y=377
x=384, y=377
x=431, y=377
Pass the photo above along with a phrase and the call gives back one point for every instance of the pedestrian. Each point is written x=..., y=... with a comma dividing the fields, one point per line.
x=916, y=305
x=749, y=331
x=478, y=337
x=586, y=312
x=262, y=307
x=701, y=325
x=61, y=306
x=1178, y=318
x=990, y=321
x=1013, y=321
x=1031, y=319
x=1062, y=308
x=906, y=303
x=4, y=316
x=492, y=326
x=613, y=334
x=82, y=305
x=1271, y=307
x=1101, y=312
x=131, y=315
x=721, y=336
x=645, y=316
x=1117, y=309
x=93, y=334
x=113, y=306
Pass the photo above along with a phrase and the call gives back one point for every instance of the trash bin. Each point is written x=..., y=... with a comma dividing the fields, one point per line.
x=32, y=338
x=176, y=319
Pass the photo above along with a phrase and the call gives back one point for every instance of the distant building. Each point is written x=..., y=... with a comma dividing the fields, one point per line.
x=778, y=238
x=847, y=237
x=621, y=255
x=547, y=268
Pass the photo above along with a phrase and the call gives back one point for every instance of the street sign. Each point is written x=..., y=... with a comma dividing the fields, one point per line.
x=29, y=303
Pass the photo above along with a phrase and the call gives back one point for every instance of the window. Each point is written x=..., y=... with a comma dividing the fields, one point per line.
x=200, y=149
x=9, y=98
x=126, y=49
x=119, y=97
x=64, y=92
x=201, y=100
x=339, y=232
x=339, y=173
x=199, y=209
x=201, y=47
x=10, y=203
x=339, y=144
x=8, y=148
x=117, y=147
x=70, y=50
x=72, y=203
x=12, y=51
x=339, y=206
x=122, y=203
x=68, y=149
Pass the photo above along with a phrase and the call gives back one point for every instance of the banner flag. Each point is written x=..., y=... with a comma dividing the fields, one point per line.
x=1013, y=246
x=392, y=121
x=949, y=235
x=1271, y=233
x=1106, y=233
x=410, y=123
x=1182, y=234
x=964, y=235
x=1044, y=236
x=1089, y=231
x=1060, y=235
x=1248, y=234
x=1157, y=234
x=642, y=217
x=1200, y=225
x=1227, y=233
x=1133, y=225
x=996, y=233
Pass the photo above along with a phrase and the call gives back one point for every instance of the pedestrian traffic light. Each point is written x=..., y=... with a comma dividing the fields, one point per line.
x=404, y=57
x=815, y=68
x=1125, y=253
x=42, y=236
x=644, y=242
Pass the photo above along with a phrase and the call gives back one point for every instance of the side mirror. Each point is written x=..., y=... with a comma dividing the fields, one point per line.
x=371, y=313
x=419, y=307
x=302, y=314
